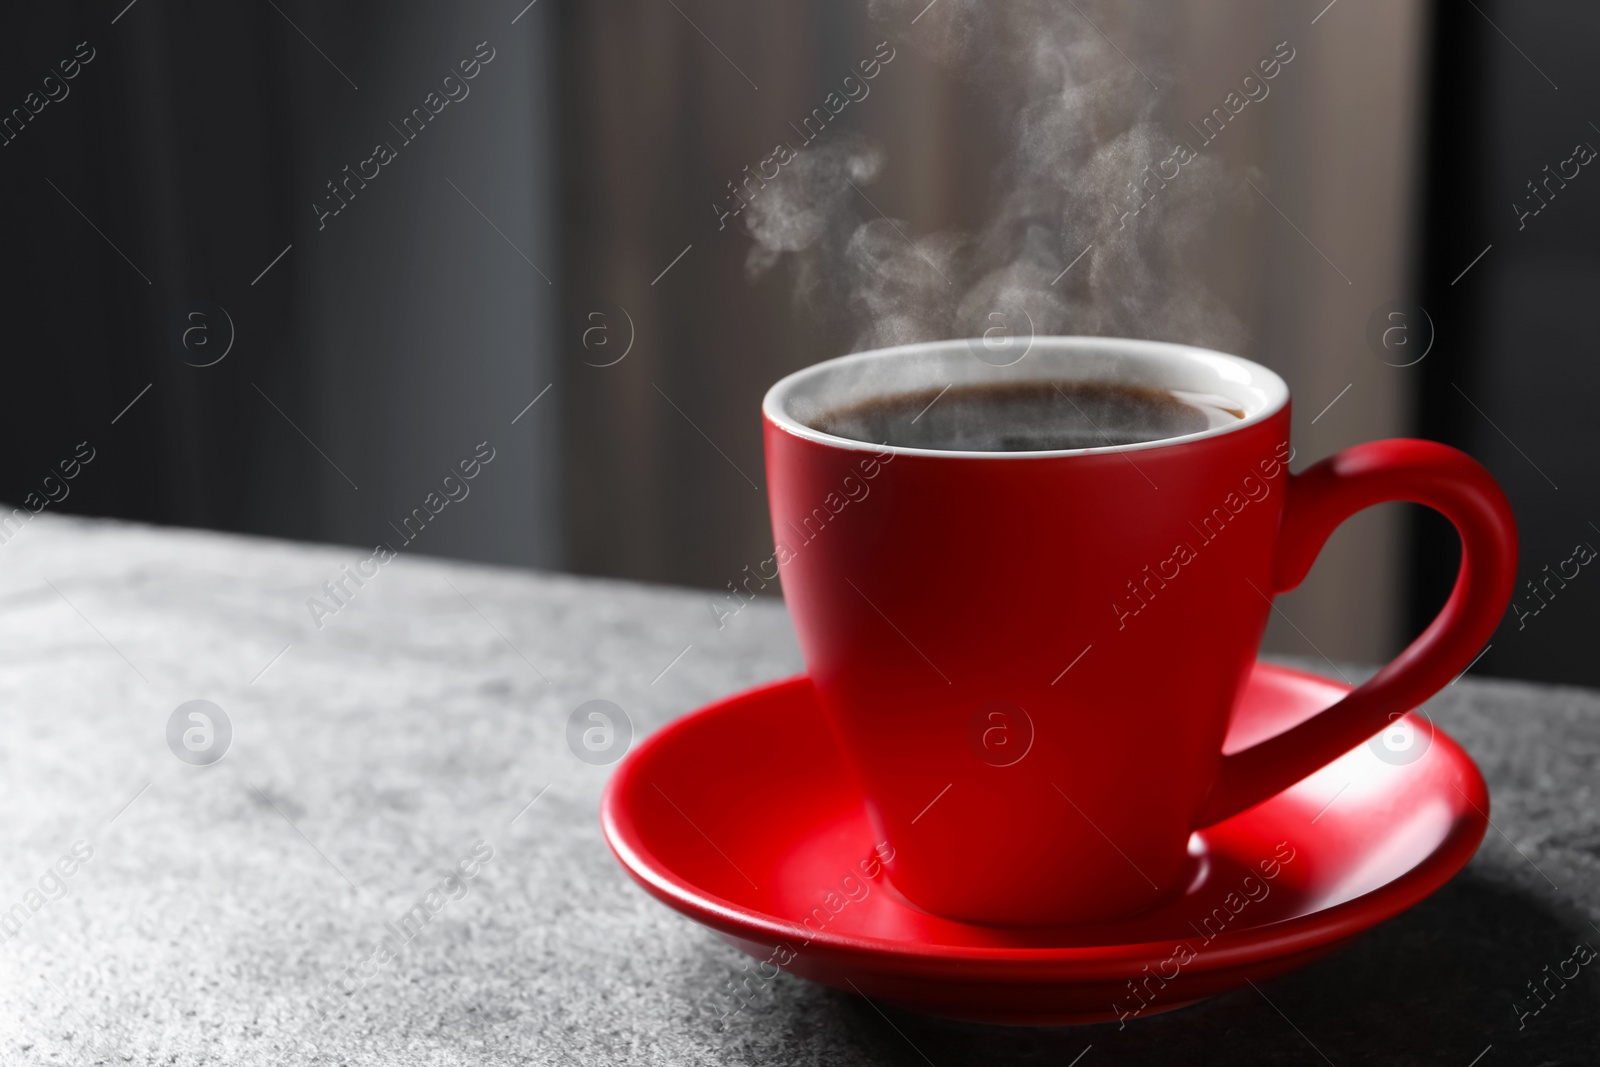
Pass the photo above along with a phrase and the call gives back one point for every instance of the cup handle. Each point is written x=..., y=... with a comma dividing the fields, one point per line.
x=1318, y=500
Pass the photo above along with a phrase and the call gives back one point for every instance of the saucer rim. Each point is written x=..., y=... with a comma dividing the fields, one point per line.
x=1231, y=948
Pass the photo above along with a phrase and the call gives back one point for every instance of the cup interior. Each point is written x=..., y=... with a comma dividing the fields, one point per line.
x=800, y=400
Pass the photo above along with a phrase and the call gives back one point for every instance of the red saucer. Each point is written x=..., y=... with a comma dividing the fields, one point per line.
x=742, y=816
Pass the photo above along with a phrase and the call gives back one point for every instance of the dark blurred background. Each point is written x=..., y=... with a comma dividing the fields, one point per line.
x=181, y=295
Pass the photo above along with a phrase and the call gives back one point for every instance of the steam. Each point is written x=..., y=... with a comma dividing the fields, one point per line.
x=1083, y=127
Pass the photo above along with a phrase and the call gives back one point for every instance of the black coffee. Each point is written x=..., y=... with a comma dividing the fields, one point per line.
x=1027, y=417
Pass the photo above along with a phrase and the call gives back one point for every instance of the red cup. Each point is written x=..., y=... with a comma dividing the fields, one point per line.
x=1029, y=658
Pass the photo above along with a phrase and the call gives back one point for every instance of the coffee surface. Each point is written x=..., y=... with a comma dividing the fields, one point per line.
x=1027, y=417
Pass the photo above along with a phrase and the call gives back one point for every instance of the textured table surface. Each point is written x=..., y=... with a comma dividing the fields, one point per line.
x=375, y=754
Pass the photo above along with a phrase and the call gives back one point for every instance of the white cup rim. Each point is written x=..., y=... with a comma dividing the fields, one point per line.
x=1260, y=391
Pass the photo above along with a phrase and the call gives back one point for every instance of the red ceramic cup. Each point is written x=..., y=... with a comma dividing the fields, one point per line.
x=1029, y=659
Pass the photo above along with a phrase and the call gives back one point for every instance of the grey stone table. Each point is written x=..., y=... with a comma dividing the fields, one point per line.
x=422, y=727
